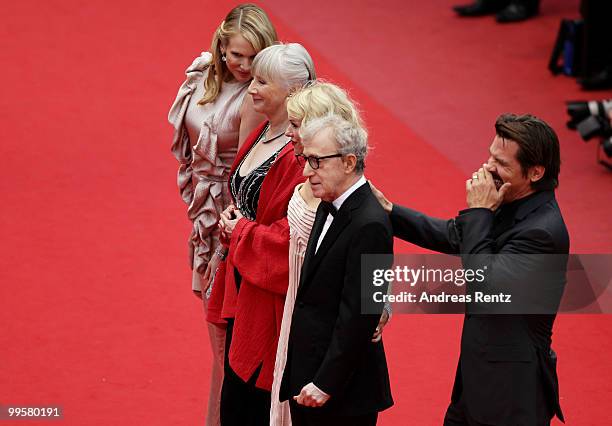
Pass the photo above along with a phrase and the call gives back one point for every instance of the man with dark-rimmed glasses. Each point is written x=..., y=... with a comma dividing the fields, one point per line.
x=314, y=161
x=335, y=373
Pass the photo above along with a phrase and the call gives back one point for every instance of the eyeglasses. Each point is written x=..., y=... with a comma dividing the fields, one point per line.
x=313, y=161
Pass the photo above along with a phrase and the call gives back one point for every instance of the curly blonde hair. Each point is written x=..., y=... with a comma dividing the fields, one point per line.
x=320, y=99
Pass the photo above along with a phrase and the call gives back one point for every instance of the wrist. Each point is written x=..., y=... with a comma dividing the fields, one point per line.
x=475, y=205
x=387, y=308
x=221, y=253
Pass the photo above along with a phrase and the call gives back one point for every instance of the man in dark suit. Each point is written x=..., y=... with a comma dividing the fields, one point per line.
x=335, y=373
x=507, y=370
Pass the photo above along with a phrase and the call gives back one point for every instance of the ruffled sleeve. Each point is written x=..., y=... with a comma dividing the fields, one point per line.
x=202, y=175
x=181, y=146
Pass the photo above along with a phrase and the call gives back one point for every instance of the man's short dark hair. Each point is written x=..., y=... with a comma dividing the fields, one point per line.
x=538, y=146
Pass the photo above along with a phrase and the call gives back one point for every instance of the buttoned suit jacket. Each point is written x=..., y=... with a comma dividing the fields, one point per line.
x=505, y=360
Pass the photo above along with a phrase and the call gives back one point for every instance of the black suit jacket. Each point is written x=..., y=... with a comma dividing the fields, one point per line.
x=330, y=340
x=506, y=362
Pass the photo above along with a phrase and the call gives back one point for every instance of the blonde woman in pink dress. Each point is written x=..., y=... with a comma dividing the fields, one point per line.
x=211, y=116
x=316, y=100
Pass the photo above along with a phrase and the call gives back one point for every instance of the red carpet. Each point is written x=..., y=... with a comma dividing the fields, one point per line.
x=95, y=305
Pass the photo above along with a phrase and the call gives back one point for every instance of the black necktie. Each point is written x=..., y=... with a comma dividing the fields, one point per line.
x=329, y=208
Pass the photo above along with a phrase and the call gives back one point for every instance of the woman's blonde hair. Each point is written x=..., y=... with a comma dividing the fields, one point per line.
x=247, y=20
x=287, y=64
x=321, y=99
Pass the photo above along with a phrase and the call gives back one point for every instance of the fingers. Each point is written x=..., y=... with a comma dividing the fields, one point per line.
x=504, y=188
x=307, y=400
x=206, y=275
x=227, y=213
x=487, y=173
x=310, y=401
x=481, y=175
x=228, y=222
x=381, y=325
x=302, y=398
x=377, y=334
x=384, y=202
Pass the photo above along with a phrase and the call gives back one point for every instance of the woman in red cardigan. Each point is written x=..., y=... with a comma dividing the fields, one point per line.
x=251, y=284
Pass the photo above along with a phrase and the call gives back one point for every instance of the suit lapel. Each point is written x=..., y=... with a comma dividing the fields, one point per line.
x=508, y=215
x=340, y=222
x=533, y=202
x=317, y=227
x=342, y=219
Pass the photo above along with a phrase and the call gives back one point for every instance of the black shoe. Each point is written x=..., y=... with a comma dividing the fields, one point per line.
x=480, y=7
x=517, y=11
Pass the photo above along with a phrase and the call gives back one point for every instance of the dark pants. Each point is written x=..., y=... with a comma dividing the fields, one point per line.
x=457, y=414
x=242, y=404
x=303, y=416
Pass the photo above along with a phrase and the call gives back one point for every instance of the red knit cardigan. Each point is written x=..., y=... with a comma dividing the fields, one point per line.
x=260, y=251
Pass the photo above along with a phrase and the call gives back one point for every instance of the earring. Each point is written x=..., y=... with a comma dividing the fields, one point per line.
x=223, y=58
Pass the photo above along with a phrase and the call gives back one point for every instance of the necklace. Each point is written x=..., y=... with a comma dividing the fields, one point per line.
x=271, y=139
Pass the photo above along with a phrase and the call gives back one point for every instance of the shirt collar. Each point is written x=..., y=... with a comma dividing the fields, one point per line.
x=341, y=199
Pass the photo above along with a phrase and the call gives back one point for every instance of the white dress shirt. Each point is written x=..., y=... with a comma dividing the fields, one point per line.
x=337, y=204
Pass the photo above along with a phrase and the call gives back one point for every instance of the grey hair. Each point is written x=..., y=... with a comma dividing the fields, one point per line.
x=288, y=64
x=350, y=137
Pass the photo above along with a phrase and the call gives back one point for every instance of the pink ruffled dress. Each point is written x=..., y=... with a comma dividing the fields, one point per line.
x=205, y=143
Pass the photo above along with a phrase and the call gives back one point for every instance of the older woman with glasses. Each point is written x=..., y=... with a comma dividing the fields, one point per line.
x=314, y=101
x=255, y=274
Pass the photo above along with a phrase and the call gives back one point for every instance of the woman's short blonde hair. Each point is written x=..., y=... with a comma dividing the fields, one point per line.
x=321, y=99
x=249, y=21
x=287, y=64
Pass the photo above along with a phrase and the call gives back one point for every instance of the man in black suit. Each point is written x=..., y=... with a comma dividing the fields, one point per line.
x=335, y=373
x=507, y=370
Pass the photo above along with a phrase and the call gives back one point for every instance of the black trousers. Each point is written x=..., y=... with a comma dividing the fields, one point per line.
x=301, y=416
x=457, y=414
x=242, y=404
